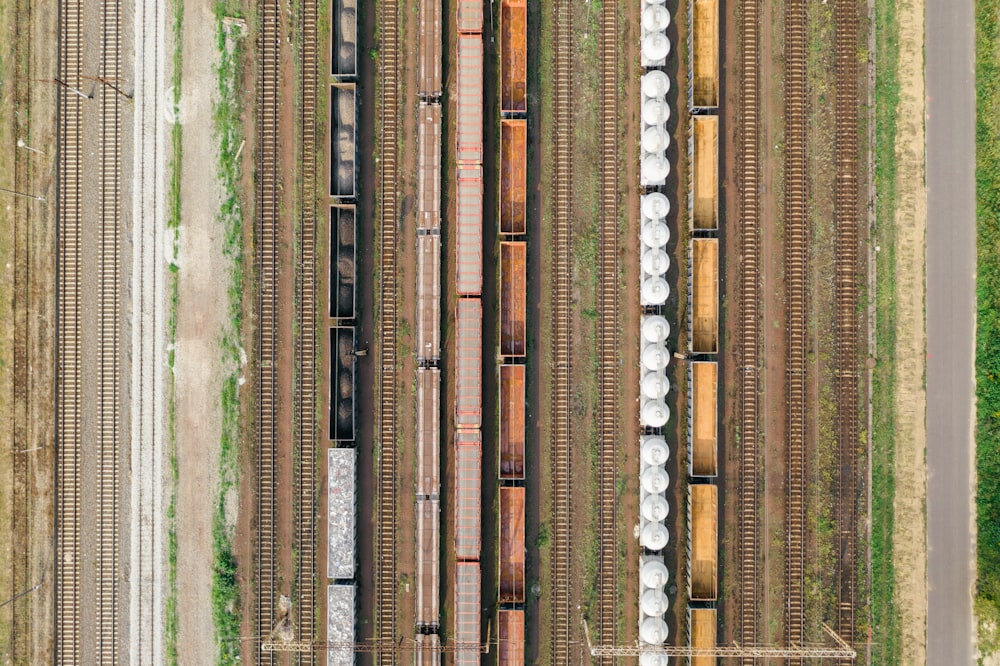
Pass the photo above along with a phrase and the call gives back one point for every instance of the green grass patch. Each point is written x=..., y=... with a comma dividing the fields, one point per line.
x=229, y=134
x=988, y=321
x=886, y=629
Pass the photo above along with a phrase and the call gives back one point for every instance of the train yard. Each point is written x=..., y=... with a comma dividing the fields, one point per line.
x=701, y=340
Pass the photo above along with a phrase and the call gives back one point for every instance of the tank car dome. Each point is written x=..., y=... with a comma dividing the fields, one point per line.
x=655, y=139
x=654, y=574
x=654, y=536
x=655, y=206
x=655, y=168
x=654, y=603
x=655, y=357
x=655, y=386
x=654, y=480
x=654, y=508
x=655, y=46
x=655, y=18
x=653, y=631
x=655, y=262
x=655, y=112
x=653, y=659
x=655, y=83
x=655, y=329
x=655, y=291
x=654, y=451
x=655, y=414
x=655, y=234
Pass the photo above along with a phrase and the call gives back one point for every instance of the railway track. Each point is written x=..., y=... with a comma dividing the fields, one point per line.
x=846, y=328
x=306, y=477
x=561, y=241
x=385, y=568
x=268, y=207
x=796, y=311
x=608, y=330
x=68, y=368
x=109, y=272
x=749, y=181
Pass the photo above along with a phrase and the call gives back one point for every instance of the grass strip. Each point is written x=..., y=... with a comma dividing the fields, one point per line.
x=229, y=134
x=988, y=322
x=171, y=619
x=885, y=615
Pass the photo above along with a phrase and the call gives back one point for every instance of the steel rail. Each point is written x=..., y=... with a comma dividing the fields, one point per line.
x=267, y=223
x=561, y=242
x=796, y=239
x=385, y=567
x=847, y=321
x=68, y=365
x=748, y=183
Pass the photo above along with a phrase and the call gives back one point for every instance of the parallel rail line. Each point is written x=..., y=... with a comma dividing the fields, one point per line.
x=748, y=183
x=306, y=476
x=561, y=240
x=847, y=323
x=109, y=272
x=796, y=310
x=68, y=367
x=608, y=327
x=385, y=573
x=268, y=210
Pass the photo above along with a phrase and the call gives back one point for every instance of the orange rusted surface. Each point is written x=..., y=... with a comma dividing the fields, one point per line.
x=511, y=421
x=513, y=285
x=513, y=176
x=514, y=56
x=511, y=645
x=511, y=545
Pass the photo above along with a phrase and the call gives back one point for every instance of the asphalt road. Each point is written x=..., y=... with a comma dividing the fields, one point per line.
x=951, y=264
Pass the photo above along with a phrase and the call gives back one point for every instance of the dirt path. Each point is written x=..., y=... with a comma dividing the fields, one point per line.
x=910, y=398
x=201, y=311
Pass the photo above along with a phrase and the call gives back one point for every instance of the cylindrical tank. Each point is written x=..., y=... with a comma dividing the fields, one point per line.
x=655, y=168
x=654, y=536
x=655, y=83
x=655, y=234
x=655, y=414
x=655, y=139
x=655, y=262
x=654, y=508
x=655, y=18
x=653, y=659
x=654, y=574
x=655, y=112
x=655, y=357
x=654, y=451
x=654, y=480
x=653, y=631
x=655, y=206
x=655, y=291
x=655, y=386
x=654, y=603
x=655, y=46
x=655, y=329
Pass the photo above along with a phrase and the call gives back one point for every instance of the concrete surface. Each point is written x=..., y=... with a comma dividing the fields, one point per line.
x=951, y=265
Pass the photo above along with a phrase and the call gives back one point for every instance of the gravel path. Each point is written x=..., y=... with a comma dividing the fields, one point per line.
x=146, y=298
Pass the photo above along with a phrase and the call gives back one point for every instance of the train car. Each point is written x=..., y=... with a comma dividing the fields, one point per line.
x=428, y=565
x=428, y=432
x=703, y=508
x=513, y=298
x=429, y=167
x=468, y=599
x=512, y=552
x=514, y=56
x=429, y=48
x=704, y=280
x=343, y=383
x=703, y=426
x=341, y=466
x=469, y=17
x=510, y=647
x=512, y=422
x=343, y=141
x=469, y=98
x=469, y=231
x=342, y=291
x=428, y=298
x=513, y=176
x=469, y=364
x=468, y=494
